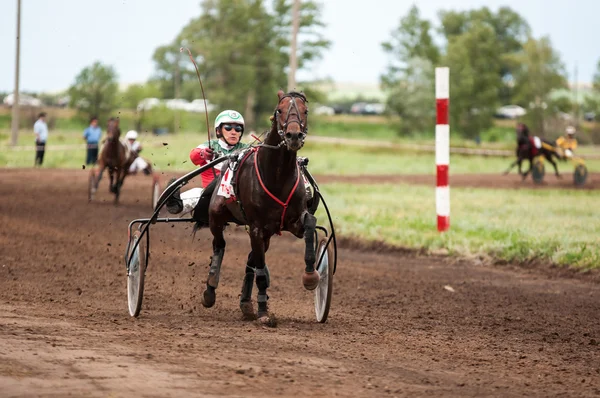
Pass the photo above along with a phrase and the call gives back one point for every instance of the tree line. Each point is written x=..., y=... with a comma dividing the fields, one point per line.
x=242, y=48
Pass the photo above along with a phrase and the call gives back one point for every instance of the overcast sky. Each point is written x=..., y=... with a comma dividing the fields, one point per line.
x=60, y=37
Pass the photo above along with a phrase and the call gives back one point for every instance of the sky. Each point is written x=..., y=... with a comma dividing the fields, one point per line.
x=61, y=37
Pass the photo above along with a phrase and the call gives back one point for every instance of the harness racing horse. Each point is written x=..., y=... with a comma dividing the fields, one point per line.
x=530, y=147
x=270, y=198
x=113, y=156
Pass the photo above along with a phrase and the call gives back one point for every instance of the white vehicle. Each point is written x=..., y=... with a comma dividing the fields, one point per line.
x=324, y=110
x=177, y=104
x=511, y=112
x=197, y=105
x=24, y=100
x=148, y=103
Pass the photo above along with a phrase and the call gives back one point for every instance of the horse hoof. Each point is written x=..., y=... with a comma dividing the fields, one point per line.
x=208, y=298
x=247, y=309
x=267, y=320
x=310, y=280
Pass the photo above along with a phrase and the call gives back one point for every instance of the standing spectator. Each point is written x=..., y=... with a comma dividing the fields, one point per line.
x=40, y=128
x=92, y=136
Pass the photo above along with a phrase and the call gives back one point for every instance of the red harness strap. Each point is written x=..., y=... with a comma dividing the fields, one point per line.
x=262, y=184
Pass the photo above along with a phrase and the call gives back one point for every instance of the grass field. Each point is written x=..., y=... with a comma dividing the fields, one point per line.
x=562, y=227
x=324, y=158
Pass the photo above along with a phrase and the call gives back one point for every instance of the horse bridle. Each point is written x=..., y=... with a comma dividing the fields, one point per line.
x=282, y=127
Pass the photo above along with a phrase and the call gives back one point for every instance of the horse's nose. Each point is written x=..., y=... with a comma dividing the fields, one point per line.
x=294, y=135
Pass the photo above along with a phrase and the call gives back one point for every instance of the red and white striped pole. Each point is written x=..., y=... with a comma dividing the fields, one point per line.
x=442, y=147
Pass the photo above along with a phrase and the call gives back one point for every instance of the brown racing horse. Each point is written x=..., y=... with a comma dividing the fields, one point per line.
x=113, y=156
x=271, y=198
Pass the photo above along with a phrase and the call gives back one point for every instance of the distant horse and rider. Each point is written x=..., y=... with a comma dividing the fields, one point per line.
x=120, y=158
x=529, y=147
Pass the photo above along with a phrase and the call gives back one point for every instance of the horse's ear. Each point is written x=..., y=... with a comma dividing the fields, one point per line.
x=280, y=94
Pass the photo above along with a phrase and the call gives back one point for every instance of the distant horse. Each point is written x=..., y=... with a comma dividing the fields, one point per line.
x=113, y=156
x=530, y=147
x=270, y=198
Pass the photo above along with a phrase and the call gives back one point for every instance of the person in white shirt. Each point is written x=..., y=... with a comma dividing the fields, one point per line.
x=40, y=128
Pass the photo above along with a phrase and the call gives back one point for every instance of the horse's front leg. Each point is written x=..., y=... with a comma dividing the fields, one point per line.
x=121, y=173
x=259, y=242
x=111, y=175
x=248, y=283
x=217, y=222
x=549, y=157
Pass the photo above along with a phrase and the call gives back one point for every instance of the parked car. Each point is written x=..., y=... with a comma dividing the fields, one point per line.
x=24, y=100
x=324, y=110
x=589, y=116
x=148, y=103
x=364, y=108
x=177, y=103
x=197, y=105
x=510, y=112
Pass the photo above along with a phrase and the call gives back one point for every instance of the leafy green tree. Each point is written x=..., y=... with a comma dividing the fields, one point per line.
x=511, y=31
x=409, y=78
x=412, y=97
x=131, y=97
x=597, y=78
x=243, y=50
x=94, y=91
x=541, y=71
x=412, y=39
x=473, y=58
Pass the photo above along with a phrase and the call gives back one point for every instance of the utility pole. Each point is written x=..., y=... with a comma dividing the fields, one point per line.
x=177, y=92
x=15, y=109
x=576, y=98
x=294, y=45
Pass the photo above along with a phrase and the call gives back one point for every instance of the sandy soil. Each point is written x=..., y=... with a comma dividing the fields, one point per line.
x=400, y=325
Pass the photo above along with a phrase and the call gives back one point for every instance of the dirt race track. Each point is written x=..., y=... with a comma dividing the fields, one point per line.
x=400, y=325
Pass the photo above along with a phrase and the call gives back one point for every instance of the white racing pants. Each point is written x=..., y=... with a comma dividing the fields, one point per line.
x=138, y=164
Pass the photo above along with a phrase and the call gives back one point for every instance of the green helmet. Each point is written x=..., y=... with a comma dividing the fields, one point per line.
x=229, y=116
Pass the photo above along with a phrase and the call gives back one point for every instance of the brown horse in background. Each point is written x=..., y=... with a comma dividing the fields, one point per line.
x=113, y=156
x=271, y=198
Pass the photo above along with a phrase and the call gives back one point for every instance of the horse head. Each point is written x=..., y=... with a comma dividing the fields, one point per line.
x=113, y=132
x=291, y=119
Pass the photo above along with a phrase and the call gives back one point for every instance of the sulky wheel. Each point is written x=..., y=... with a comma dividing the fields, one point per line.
x=155, y=193
x=580, y=175
x=137, y=258
x=538, y=171
x=324, y=290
